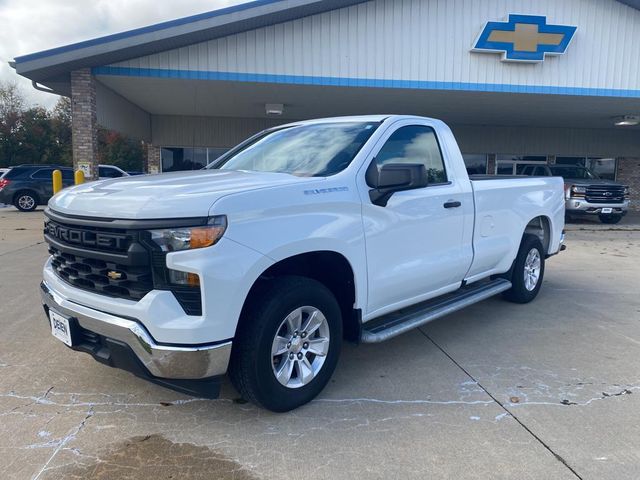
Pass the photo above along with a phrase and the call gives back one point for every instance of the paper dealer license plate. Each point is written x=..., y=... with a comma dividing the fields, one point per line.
x=60, y=327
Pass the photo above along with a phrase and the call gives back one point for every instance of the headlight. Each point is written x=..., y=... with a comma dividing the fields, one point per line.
x=576, y=189
x=189, y=238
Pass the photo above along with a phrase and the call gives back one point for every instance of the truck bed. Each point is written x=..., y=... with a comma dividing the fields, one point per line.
x=504, y=204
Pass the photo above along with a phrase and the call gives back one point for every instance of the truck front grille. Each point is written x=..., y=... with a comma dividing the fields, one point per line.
x=99, y=276
x=118, y=262
x=605, y=194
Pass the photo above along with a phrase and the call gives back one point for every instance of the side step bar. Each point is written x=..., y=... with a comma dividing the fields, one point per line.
x=399, y=322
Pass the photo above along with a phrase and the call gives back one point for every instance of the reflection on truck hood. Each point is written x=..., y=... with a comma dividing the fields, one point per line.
x=589, y=181
x=170, y=195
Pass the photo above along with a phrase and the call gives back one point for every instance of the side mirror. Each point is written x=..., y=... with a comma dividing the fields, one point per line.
x=394, y=177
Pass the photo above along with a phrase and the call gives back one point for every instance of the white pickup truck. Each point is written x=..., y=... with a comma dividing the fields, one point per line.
x=356, y=228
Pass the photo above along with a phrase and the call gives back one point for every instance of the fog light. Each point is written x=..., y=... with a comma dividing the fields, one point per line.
x=184, y=278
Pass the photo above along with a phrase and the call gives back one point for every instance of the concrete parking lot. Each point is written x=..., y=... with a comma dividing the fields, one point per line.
x=549, y=390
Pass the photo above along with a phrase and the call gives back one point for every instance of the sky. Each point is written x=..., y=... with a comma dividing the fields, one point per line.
x=28, y=26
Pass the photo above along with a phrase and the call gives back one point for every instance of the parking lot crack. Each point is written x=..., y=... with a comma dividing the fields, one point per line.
x=64, y=441
x=503, y=406
x=21, y=248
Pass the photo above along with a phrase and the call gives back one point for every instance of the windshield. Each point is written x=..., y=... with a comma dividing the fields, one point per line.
x=571, y=171
x=315, y=150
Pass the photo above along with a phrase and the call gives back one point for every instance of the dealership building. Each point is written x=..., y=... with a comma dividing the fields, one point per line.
x=518, y=81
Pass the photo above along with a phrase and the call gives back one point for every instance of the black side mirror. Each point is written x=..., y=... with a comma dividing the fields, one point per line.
x=394, y=177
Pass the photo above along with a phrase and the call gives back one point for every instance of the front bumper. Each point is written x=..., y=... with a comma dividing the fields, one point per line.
x=578, y=206
x=125, y=343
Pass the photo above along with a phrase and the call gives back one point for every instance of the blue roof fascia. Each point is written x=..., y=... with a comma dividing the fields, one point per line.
x=361, y=82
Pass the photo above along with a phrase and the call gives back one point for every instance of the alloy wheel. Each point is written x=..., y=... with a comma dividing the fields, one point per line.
x=300, y=347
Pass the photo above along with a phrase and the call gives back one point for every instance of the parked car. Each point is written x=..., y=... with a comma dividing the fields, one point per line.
x=111, y=171
x=585, y=192
x=27, y=186
x=355, y=227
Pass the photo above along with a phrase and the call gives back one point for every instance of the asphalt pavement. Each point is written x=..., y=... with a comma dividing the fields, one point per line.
x=548, y=390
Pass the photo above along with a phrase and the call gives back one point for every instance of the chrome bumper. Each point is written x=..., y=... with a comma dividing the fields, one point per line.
x=581, y=206
x=162, y=361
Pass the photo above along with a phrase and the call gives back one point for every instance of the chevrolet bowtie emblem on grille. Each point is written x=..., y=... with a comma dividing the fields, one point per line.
x=524, y=38
x=113, y=275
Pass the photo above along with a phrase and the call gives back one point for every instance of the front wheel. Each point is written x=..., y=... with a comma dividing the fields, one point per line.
x=528, y=271
x=287, y=344
x=610, y=219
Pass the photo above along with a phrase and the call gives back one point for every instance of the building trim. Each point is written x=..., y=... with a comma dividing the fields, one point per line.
x=148, y=29
x=360, y=82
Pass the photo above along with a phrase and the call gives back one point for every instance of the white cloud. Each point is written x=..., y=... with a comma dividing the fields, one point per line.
x=28, y=26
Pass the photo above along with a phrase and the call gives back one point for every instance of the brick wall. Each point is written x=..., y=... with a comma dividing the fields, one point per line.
x=153, y=159
x=84, y=122
x=629, y=174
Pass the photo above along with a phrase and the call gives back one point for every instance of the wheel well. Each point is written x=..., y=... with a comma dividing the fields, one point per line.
x=29, y=191
x=329, y=268
x=541, y=228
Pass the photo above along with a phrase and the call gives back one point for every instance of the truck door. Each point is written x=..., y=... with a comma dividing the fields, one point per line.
x=414, y=244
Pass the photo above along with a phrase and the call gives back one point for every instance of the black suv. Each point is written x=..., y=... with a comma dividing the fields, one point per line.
x=27, y=186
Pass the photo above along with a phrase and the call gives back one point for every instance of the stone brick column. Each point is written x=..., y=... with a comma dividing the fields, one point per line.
x=84, y=123
x=491, y=163
x=628, y=173
x=153, y=159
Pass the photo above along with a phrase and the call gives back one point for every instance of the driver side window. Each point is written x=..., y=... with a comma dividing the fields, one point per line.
x=414, y=144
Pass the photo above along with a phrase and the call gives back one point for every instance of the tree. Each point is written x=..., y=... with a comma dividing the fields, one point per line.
x=11, y=107
x=11, y=99
x=38, y=135
x=61, y=124
x=117, y=149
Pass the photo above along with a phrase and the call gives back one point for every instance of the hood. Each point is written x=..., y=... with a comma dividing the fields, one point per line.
x=589, y=181
x=169, y=195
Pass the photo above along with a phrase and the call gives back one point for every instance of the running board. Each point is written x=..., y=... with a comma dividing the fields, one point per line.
x=402, y=321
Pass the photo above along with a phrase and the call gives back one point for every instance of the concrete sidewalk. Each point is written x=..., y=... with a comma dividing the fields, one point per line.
x=549, y=390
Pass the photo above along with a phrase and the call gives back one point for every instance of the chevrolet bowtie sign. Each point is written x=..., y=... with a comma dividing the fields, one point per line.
x=524, y=38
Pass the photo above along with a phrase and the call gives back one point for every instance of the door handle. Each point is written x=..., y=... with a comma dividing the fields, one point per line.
x=452, y=204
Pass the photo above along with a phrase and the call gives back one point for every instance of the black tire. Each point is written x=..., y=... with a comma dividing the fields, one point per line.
x=25, y=201
x=252, y=364
x=610, y=219
x=519, y=293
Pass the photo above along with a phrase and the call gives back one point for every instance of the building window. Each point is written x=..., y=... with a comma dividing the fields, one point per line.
x=476, y=163
x=602, y=167
x=514, y=164
x=174, y=159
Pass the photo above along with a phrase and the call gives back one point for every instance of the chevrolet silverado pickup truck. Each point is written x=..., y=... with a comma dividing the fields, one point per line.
x=586, y=193
x=304, y=235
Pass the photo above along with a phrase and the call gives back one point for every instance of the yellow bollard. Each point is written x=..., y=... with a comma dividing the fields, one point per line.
x=57, y=181
x=79, y=177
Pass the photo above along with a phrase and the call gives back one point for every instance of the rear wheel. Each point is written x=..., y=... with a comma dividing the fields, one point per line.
x=287, y=344
x=610, y=219
x=25, y=201
x=528, y=271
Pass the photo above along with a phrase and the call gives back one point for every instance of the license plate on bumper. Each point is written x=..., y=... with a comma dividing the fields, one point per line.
x=606, y=210
x=60, y=327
